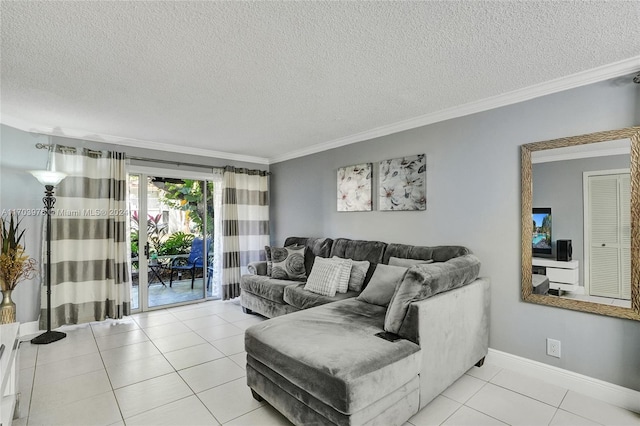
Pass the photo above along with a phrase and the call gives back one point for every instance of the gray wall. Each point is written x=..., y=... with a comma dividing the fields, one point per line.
x=559, y=185
x=20, y=190
x=473, y=199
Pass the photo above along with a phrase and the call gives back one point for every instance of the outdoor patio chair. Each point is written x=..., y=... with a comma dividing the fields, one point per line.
x=191, y=263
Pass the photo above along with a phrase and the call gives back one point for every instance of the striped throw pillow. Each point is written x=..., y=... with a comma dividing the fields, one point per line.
x=345, y=273
x=324, y=277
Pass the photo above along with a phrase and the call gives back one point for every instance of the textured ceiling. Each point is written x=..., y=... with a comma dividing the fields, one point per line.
x=271, y=79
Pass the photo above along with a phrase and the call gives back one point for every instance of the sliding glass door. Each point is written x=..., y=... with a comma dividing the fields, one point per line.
x=171, y=239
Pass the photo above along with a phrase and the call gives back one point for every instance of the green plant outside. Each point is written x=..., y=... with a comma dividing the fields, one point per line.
x=176, y=243
x=188, y=197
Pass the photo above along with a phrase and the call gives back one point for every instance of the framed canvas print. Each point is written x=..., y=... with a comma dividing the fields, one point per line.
x=354, y=188
x=403, y=183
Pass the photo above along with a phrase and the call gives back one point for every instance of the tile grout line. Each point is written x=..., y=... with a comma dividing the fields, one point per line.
x=206, y=407
x=485, y=414
x=528, y=396
x=33, y=383
x=241, y=415
x=464, y=404
x=113, y=391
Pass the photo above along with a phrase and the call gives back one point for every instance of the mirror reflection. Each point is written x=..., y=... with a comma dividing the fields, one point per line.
x=581, y=233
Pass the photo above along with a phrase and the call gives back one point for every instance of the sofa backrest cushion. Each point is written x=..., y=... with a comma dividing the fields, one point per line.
x=437, y=253
x=373, y=251
x=314, y=247
x=423, y=281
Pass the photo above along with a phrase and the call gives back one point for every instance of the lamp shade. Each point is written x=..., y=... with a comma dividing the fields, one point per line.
x=48, y=177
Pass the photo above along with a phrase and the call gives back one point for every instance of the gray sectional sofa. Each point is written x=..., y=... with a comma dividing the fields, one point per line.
x=343, y=361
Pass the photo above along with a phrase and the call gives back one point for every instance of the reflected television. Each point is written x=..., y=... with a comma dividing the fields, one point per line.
x=541, y=238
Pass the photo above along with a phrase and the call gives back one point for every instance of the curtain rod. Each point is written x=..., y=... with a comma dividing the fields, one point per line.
x=176, y=163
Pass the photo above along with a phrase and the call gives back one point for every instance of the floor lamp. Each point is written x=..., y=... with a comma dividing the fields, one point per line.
x=49, y=178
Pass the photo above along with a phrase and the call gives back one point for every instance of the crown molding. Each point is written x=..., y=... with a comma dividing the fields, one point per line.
x=583, y=78
x=115, y=140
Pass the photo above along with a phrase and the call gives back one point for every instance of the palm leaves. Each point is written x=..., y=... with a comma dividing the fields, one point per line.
x=10, y=236
x=15, y=264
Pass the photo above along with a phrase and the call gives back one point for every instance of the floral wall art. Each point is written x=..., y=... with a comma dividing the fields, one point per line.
x=402, y=183
x=354, y=188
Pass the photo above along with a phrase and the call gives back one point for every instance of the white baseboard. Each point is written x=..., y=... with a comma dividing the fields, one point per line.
x=595, y=388
x=28, y=328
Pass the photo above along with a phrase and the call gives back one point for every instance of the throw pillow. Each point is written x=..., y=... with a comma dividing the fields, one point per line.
x=288, y=263
x=359, y=270
x=345, y=273
x=382, y=285
x=267, y=252
x=407, y=263
x=324, y=277
x=424, y=281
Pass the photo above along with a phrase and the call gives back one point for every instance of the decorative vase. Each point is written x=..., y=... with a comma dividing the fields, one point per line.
x=7, y=308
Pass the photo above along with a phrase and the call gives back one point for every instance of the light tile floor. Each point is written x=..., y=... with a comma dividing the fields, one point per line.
x=185, y=366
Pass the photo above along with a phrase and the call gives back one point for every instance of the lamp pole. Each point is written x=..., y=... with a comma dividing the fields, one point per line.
x=49, y=178
x=48, y=336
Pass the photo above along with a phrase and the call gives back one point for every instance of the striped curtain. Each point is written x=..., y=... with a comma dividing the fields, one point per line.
x=245, y=224
x=90, y=279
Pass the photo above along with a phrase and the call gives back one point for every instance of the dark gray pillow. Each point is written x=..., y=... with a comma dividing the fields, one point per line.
x=423, y=281
x=382, y=285
x=288, y=263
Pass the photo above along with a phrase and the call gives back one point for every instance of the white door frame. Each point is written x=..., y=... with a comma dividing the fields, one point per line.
x=143, y=172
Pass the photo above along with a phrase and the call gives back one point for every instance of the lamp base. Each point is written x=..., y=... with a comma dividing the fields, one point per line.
x=48, y=337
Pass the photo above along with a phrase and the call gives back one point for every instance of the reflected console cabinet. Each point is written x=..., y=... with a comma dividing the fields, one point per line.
x=563, y=276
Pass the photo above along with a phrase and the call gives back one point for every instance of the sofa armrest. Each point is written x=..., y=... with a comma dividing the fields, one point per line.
x=452, y=329
x=257, y=268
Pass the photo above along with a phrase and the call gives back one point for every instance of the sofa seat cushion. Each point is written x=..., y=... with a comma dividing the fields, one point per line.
x=331, y=352
x=296, y=295
x=265, y=286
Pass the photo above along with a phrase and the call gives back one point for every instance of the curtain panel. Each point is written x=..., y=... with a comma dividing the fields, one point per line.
x=245, y=224
x=90, y=278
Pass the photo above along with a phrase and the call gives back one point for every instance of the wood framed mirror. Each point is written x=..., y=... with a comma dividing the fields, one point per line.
x=584, y=272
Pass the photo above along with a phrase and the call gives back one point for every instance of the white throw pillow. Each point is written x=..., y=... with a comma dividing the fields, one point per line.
x=345, y=273
x=324, y=277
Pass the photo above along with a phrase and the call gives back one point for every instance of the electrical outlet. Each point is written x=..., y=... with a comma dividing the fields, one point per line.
x=553, y=348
